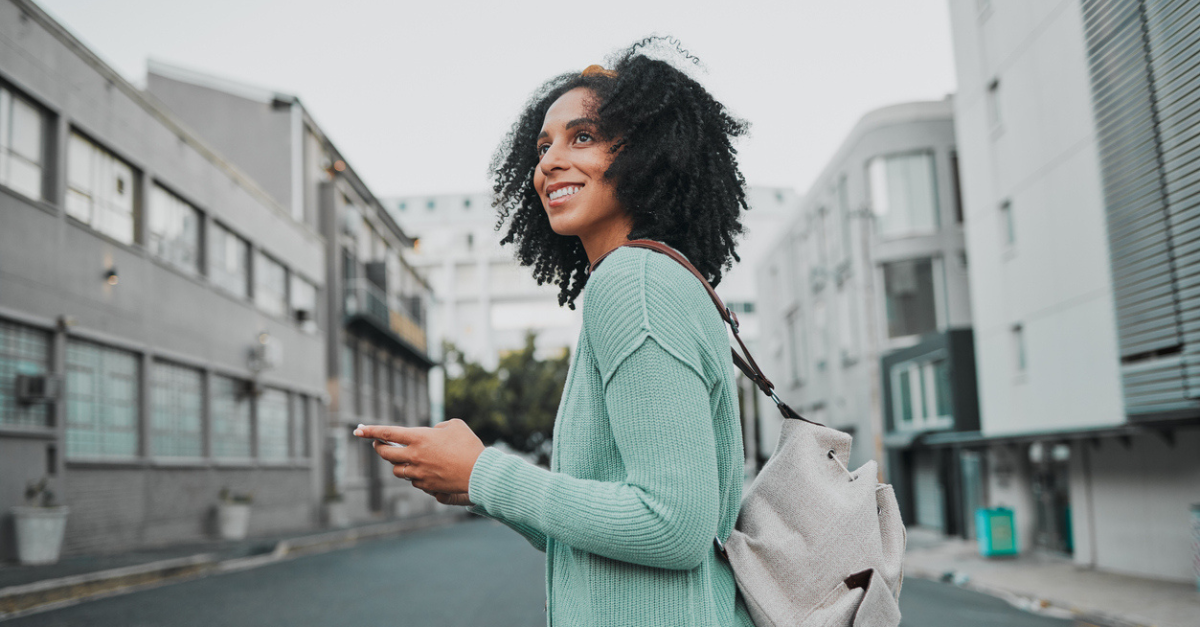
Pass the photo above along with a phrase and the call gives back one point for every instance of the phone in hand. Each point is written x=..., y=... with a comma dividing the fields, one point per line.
x=383, y=441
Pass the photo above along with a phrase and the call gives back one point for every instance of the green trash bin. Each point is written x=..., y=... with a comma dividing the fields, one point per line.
x=995, y=531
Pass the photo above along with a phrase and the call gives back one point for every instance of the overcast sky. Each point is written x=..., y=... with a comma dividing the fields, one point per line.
x=417, y=95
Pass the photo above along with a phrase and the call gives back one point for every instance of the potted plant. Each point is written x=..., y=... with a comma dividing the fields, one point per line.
x=40, y=525
x=334, y=510
x=233, y=514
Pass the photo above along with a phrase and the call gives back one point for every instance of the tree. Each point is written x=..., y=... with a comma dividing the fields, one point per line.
x=515, y=404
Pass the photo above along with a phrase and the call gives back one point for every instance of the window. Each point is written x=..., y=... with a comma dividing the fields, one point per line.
x=847, y=323
x=820, y=330
x=843, y=202
x=270, y=285
x=23, y=351
x=993, y=104
x=957, y=182
x=300, y=424
x=921, y=394
x=174, y=229
x=367, y=385
x=175, y=410
x=272, y=414
x=903, y=194
x=99, y=189
x=21, y=144
x=466, y=203
x=346, y=404
x=304, y=303
x=909, y=297
x=102, y=401
x=1018, y=342
x=794, y=324
x=1008, y=229
x=230, y=418
x=431, y=204
x=229, y=261
x=399, y=394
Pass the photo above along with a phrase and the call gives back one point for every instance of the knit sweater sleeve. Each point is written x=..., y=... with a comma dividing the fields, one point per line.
x=664, y=513
x=533, y=535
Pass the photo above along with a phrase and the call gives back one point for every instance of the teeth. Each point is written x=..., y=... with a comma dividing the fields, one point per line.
x=565, y=191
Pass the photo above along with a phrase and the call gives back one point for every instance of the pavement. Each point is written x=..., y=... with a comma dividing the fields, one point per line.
x=1053, y=584
x=74, y=579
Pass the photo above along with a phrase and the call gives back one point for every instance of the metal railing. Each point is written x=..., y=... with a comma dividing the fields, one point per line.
x=364, y=298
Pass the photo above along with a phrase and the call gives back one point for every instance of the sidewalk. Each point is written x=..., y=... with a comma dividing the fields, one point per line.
x=1054, y=584
x=29, y=589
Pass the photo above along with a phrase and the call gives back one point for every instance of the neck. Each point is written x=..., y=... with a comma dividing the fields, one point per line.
x=599, y=244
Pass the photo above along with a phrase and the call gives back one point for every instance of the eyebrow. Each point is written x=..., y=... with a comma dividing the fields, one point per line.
x=572, y=124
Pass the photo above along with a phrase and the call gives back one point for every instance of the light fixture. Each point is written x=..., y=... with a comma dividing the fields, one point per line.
x=339, y=165
x=111, y=276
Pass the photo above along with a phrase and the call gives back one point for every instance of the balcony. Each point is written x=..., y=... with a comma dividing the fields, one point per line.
x=399, y=321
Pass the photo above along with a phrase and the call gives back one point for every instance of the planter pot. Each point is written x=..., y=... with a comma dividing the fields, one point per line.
x=233, y=520
x=39, y=533
x=335, y=515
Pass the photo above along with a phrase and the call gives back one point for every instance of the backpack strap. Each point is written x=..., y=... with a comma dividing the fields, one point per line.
x=745, y=364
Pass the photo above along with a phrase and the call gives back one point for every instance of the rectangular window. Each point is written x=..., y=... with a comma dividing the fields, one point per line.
x=400, y=394
x=1018, y=342
x=303, y=296
x=922, y=394
x=23, y=351
x=21, y=144
x=847, y=323
x=956, y=180
x=347, y=404
x=270, y=285
x=272, y=414
x=230, y=418
x=367, y=385
x=175, y=411
x=993, y=104
x=173, y=232
x=1008, y=229
x=102, y=401
x=229, y=261
x=300, y=424
x=903, y=194
x=794, y=325
x=100, y=189
x=909, y=297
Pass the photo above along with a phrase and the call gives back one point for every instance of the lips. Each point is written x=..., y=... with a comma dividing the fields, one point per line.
x=560, y=193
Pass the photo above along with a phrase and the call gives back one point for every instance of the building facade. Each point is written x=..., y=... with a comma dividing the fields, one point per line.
x=865, y=311
x=377, y=360
x=162, y=334
x=1078, y=142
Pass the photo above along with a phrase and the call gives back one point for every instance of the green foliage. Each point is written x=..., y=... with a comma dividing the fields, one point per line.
x=515, y=404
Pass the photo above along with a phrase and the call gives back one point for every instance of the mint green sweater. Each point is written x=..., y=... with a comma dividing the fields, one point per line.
x=647, y=464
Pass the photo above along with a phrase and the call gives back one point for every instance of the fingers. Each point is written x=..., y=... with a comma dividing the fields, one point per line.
x=399, y=435
x=394, y=454
x=448, y=423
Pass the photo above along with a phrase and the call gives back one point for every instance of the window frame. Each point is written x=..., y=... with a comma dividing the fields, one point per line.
x=195, y=269
x=135, y=177
x=8, y=152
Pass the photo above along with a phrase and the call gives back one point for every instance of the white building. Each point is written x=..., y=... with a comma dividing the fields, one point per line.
x=1074, y=127
x=866, y=319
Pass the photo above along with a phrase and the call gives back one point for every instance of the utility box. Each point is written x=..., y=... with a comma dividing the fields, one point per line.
x=996, y=532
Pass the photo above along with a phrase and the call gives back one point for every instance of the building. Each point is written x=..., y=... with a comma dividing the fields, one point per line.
x=377, y=355
x=162, y=330
x=486, y=301
x=865, y=312
x=1077, y=127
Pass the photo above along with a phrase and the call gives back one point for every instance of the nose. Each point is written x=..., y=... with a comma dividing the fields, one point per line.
x=554, y=159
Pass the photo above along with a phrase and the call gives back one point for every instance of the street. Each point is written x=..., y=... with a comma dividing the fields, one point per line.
x=474, y=573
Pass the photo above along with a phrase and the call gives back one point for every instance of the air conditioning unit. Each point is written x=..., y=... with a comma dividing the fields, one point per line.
x=38, y=388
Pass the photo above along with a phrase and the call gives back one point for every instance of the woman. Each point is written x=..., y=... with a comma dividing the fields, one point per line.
x=647, y=462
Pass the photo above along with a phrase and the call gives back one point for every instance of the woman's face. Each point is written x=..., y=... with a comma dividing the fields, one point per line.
x=569, y=177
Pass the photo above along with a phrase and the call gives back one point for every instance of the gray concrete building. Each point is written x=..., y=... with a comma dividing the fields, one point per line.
x=162, y=329
x=864, y=305
x=376, y=362
x=1077, y=125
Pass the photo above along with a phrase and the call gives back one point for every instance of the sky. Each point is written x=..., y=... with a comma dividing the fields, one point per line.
x=417, y=95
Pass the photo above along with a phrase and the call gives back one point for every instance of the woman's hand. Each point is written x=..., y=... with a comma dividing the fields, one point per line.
x=436, y=459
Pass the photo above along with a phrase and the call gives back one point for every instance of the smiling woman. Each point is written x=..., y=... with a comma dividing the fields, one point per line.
x=647, y=460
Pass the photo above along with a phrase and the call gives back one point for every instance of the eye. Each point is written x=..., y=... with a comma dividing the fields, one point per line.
x=584, y=137
x=541, y=150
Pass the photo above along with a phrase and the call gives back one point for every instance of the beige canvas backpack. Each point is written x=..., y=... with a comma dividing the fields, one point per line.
x=816, y=544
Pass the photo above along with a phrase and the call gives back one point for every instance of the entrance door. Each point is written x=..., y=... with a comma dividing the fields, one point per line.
x=930, y=494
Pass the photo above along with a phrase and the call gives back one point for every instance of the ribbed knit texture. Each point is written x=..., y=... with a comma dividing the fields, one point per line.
x=647, y=463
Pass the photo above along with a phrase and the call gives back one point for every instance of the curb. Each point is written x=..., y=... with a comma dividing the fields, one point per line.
x=1029, y=603
x=50, y=594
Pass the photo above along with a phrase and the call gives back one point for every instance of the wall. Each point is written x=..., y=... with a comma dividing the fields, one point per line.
x=1042, y=158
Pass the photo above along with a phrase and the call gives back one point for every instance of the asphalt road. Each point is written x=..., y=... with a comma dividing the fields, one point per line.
x=471, y=574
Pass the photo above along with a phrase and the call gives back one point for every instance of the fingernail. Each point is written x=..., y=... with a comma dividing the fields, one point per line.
x=358, y=432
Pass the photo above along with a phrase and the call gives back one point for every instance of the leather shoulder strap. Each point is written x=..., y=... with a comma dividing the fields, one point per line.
x=746, y=364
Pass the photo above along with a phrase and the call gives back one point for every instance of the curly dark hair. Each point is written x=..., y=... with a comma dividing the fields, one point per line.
x=675, y=170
